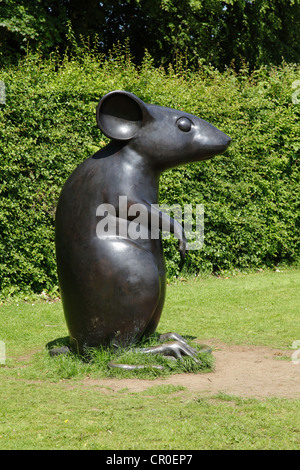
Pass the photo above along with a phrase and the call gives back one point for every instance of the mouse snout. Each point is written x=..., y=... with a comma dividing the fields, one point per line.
x=219, y=140
x=212, y=140
x=226, y=140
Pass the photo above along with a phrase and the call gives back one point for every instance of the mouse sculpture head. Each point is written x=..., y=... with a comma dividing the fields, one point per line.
x=163, y=136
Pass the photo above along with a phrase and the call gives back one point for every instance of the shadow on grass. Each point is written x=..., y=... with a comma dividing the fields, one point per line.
x=58, y=343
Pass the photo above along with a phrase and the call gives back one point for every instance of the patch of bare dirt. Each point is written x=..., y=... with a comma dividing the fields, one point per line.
x=245, y=371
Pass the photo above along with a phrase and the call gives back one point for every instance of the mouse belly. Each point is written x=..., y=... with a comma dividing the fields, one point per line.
x=112, y=290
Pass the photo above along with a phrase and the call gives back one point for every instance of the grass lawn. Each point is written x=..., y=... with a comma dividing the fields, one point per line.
x=45, y=404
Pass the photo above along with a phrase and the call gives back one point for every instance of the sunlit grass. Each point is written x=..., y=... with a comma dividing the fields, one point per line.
x=46, y=403
x=261, y=308
x=39, y=415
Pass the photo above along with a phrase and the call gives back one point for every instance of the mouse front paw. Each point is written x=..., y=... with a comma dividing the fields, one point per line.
x=183, y=248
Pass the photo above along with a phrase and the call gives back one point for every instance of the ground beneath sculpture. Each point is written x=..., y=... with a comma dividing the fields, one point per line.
x=245, y=371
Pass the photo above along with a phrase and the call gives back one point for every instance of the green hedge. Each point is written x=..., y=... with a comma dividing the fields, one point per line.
x=250, y=194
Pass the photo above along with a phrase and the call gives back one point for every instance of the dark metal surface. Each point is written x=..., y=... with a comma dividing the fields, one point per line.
x=113, y=288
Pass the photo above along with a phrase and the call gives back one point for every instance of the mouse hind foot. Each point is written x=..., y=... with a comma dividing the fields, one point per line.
x=176, y=350
x=203, y=348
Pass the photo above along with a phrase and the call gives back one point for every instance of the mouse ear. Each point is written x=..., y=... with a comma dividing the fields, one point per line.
x=120, y=115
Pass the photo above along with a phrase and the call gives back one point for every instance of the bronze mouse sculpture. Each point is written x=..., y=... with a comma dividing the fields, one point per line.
x=113, y=285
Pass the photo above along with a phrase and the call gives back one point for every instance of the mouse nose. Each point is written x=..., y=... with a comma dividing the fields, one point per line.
x=227, y=141
x=219, y=140
x=213, y=141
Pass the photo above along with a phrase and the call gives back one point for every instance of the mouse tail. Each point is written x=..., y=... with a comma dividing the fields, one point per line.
x=114, y=365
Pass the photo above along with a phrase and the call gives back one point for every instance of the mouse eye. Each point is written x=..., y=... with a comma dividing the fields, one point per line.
x=184, y=124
